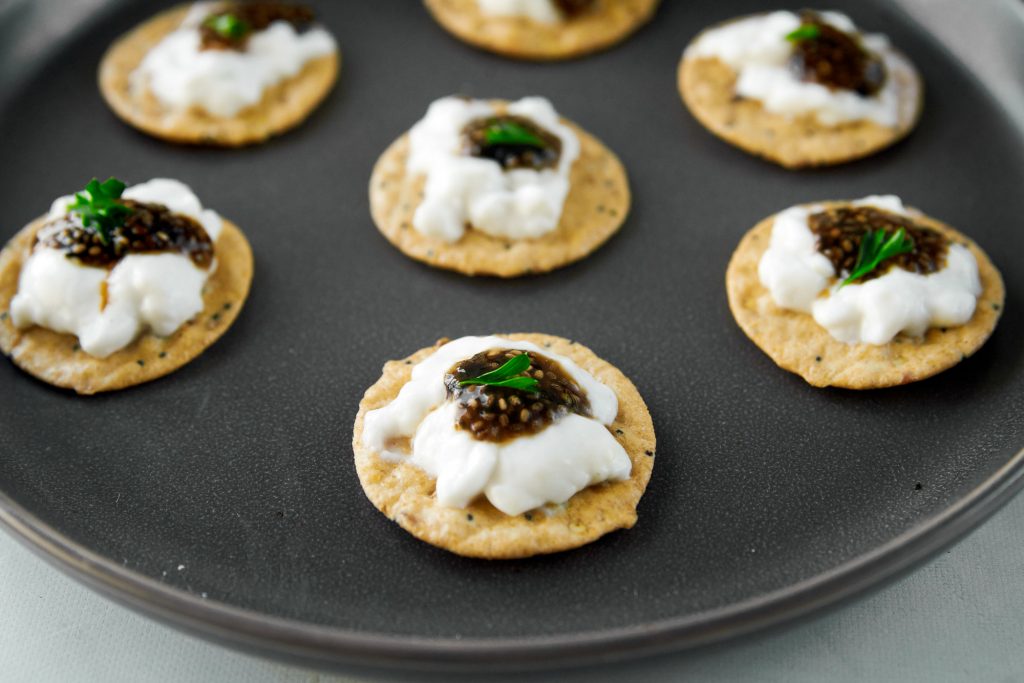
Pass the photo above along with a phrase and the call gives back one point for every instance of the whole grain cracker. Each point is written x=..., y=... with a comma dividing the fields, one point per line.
x=707, y=86
x=283, y=106
x=799, y=344
x=405, y=493
x=605, y=24
x=56, y=358
x=595, y=208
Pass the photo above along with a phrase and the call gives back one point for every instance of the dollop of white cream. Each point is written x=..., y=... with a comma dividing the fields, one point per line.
x=158, y=292
x=543, y=11
x=224, y=82
x=756, y=48
x=517, y=475
x=800, y=278
x=460, y=190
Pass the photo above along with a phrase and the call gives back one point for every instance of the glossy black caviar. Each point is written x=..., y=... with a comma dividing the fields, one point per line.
x=150, y=228
x=255, y=16
x=498, y=414
x=510, y=156
x=836, y=59
x=571, y=8
x=841, y=229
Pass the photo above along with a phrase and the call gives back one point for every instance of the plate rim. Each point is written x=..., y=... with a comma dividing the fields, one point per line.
x=319, y=645
x=335, y=647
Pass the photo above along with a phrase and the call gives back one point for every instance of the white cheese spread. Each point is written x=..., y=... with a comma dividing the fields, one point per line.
x=517, y=203
x=224, y=82
x=757, y=50
x=516, y=475
x=543, y=11
x=158, y=292
x=800, y=278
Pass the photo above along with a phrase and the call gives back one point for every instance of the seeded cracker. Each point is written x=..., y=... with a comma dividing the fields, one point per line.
x=56, y=359
x=405, y=493
x=606, y=24
x=283, y=106
x=799, y=344
x=707, y=86
x=594, y=210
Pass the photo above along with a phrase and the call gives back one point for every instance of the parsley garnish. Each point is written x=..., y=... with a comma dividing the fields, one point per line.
x=98, y=207
x=508, y=376
x=804, y=32
x=875, y=248
x=505, y=132
x=227, y=25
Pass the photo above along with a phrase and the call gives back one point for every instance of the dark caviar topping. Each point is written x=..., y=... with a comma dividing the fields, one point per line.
x=823, y=54
x=498, y=413
x=230, y=28
x=512, y=141
x=841, y=229
x=148, y=228
x=571, y=8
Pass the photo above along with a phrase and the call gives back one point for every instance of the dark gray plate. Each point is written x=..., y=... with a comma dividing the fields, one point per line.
x=224, y=499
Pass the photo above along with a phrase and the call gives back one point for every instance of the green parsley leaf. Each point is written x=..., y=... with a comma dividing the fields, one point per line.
x=512, y=367
x=875, y=248
x=804, y=32
x=227, y=25
x=508, y=376
x=98, y=207
x=505, y=132
x=527, y=384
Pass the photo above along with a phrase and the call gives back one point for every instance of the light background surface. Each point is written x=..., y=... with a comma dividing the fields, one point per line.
x=959, y=618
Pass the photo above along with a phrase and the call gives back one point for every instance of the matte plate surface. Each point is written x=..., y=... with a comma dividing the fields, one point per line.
x=224, y=497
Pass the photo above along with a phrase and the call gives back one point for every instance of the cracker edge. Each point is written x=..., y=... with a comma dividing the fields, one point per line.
x=515, y=37
x=687, y=80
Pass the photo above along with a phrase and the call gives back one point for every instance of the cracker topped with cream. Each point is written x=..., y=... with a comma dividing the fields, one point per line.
x=504, y=446
x=119, y=285
x=800, y=89
x=221, y=73
x=542, y=29
x=489, y=187
x=863, y=294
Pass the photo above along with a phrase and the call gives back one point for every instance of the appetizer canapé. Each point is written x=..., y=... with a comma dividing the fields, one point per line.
x=117, y=286
x=221, y=73
x=542, y=29
x=804, y=89
x=504, y=446
x=488, y=187
x=863, y=294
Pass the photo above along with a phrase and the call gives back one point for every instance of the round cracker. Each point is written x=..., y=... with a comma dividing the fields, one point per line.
x=283, y=106
x=56, y=358
x=607, y=23
x=595, y=208
x=708, y=88
x=405, y=493
x=799, y=344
